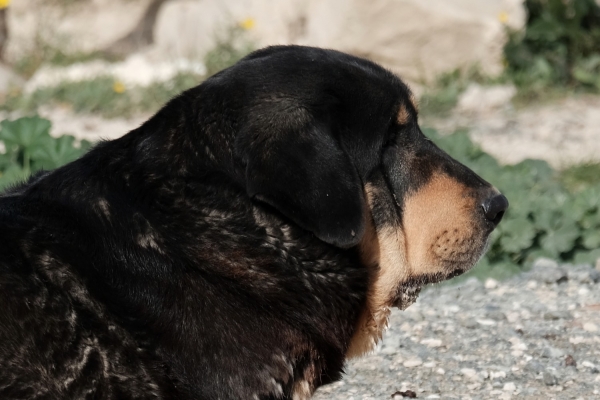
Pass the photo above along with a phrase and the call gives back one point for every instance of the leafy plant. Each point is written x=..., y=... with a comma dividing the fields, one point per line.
x=28, y=147
x=560, y=46
x=103, y=95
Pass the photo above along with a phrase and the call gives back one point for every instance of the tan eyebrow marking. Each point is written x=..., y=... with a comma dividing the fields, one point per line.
x=414, y=101
x=403, y=115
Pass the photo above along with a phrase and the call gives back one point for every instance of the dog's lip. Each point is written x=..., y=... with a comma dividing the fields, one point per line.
x=408, y=292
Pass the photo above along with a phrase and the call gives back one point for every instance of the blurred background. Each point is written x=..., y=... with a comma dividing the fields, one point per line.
x=509, y=87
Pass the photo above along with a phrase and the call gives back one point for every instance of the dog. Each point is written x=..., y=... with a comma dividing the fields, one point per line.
x=243, y=243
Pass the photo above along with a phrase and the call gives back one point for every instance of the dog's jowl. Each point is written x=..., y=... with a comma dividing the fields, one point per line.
x=241, y=244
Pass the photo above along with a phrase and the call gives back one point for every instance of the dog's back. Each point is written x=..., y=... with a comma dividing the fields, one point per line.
x=122, y=279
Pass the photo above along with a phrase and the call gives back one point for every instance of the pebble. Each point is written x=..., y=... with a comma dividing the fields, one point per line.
x=548, y=271
x=534, y=367
x=549, y=379
x=588, y=364
x=469, y=323
x=552, y=352
x=559, y=314
x=490, y=283
x=432, y=342
x=532, y=336
x=413, y=362
x=497, y=374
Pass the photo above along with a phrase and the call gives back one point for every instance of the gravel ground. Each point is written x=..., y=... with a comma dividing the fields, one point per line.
x=534, y=336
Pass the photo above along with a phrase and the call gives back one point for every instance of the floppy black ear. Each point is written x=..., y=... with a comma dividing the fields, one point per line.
x=306, y=176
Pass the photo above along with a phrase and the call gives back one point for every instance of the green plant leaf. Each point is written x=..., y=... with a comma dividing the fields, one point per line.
x=586, y=257
x=591, y=239
x=24, y=132
x=55, y=152
x=560, y=240
x=11, y=175
x=516, y=235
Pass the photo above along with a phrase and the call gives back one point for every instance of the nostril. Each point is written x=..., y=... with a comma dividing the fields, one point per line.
x=494, y=208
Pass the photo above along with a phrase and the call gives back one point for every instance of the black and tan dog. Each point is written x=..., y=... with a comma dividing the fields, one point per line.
x=241, y=244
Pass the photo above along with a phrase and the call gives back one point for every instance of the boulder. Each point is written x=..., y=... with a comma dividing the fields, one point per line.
x=417, y=39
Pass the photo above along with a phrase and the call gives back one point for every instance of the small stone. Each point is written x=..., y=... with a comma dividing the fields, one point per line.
x=512, y=317
x=486, y=322
x=432, y=342
x=588, y=364
x=490, y=284
x=509, y=387
x=590, y=327
x=440, y=371
x=598, y=264
x=548, y=271
x=533, y=367
x=413, y=362
x=469, y=323
x=552, y=352
x=577, y=340
x=558, y=314
x=497, y=374
x=544, y=263
x=517, y=344
x=405, y=394
x=453, y=308
x=470, y=373
x=585, y=275
x=415, y=316
x=570, y=361
x=583, y=291
x=497, y=385
x=549, y=379
x=496, y=315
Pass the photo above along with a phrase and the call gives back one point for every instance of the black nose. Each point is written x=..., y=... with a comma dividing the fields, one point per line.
x=494, y=208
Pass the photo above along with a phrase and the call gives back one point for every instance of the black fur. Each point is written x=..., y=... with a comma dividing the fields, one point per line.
x=210, y=253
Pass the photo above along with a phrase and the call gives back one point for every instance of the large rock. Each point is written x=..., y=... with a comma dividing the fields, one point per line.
x=81, y=25
x=418, y=39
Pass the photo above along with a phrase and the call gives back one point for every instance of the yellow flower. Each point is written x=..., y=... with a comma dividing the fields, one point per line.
x=246, y=24
x=118, y=87
x=503, y=17
x=4, y=4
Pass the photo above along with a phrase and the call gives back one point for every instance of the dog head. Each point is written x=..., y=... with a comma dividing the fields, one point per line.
x=332, y=142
